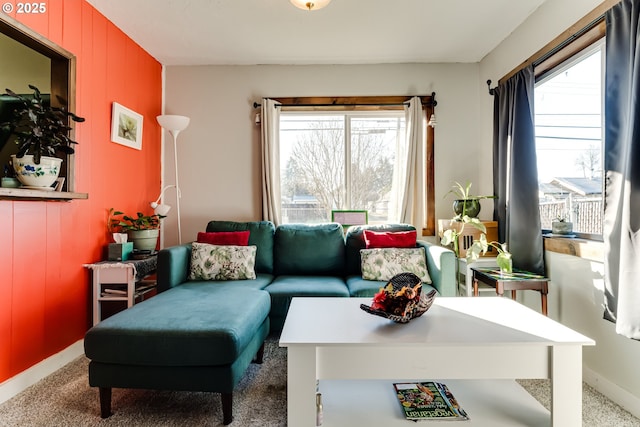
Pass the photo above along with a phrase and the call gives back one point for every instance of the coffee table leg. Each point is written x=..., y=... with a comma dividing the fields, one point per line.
x=566, y=386
x=475, y=286
x=301, y=386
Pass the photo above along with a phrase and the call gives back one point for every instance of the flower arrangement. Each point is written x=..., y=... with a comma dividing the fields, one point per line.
x=401, y=299
x=397, y=302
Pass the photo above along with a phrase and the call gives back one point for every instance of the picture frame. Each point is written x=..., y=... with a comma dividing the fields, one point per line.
x=350, y=217
x=126, y=127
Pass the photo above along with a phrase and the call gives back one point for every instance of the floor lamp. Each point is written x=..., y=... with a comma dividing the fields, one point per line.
x=174, y=124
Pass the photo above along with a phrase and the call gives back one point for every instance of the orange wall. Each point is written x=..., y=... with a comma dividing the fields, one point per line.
x=44, y=289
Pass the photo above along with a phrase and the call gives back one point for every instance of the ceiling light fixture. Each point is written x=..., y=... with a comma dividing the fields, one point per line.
x=310, y=5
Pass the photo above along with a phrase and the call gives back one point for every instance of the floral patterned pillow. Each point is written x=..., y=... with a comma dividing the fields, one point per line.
x=384, y=263
x=215, y=262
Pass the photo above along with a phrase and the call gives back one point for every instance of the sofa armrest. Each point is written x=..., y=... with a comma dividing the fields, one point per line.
x=173, y=266
x=441, y=263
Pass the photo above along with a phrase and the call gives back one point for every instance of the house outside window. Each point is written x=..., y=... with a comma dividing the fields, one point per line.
x=340, y=161
x=569, y=142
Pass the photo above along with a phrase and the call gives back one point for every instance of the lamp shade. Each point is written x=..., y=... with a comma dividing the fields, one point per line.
x=310, y=4
x=173, y=122
x=161, y=210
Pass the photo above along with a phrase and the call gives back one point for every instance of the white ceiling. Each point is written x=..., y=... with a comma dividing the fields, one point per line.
x=247, y=32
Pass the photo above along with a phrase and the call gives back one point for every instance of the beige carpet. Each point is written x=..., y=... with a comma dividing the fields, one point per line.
x=65, y=399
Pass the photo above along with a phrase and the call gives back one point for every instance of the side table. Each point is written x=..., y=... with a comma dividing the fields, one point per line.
x=515, y=281
x=121, y=281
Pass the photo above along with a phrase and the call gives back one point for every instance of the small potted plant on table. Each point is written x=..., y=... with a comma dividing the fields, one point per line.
x=142, y=230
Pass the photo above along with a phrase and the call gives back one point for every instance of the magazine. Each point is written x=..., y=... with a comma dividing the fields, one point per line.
x=428, y=400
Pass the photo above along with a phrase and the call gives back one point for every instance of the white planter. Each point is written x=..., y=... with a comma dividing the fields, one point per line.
x=33, y=175
x=561, y=227
x=144, y=240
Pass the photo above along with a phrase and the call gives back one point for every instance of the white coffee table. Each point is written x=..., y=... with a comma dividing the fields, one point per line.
x=473, y=344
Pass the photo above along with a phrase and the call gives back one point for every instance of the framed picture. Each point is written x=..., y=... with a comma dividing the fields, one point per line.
x=347, y=218
x=126, y=127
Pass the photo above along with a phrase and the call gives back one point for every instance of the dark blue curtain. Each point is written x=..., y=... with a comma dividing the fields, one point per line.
x=622, y=168
x=515, y=171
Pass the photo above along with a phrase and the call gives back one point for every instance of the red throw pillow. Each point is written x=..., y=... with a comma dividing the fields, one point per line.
x=390, y=239
x=235, y=238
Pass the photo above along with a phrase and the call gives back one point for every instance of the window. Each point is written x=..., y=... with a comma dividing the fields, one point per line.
x=340, y=160
x=569, y=142
x=60, y=67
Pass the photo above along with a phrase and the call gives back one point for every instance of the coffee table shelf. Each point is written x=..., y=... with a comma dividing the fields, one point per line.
x=489, y=403
x=459, y=339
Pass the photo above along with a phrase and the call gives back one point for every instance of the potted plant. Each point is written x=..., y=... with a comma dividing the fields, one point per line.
x=479, y=246
x=465, y=203
x=450, y=237
x=142, y=230
x=41, y=132
x=503, y=259
x=561, y=226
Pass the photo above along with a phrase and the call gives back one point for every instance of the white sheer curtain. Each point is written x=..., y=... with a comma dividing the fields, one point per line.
x=413, y=207
x=270, y=161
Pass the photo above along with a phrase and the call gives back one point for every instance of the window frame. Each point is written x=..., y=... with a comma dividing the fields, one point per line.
x=63, y=88
x=570, y=57
x=378, y=103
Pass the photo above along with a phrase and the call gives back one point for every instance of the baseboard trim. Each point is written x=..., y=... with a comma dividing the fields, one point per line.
x=37, y=372
x=613, y=391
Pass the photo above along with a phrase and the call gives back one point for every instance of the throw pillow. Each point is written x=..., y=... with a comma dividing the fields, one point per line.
x=384, y=263
x=390, y=239
x=216, y=262
x=235, y=238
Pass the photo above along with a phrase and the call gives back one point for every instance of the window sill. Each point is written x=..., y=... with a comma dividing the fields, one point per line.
x=23, y=194
x=588, y=249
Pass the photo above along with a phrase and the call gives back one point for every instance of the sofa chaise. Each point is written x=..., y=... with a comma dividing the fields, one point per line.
x=201, y=335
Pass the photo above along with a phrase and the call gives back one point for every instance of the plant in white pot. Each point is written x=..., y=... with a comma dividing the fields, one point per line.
x=41, y=132
x=143, y=230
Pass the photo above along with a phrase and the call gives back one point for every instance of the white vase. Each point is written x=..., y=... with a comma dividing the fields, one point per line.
x=32, y=175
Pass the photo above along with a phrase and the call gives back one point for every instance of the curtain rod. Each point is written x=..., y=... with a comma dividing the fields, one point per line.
x=560, y=46
x=431, y=103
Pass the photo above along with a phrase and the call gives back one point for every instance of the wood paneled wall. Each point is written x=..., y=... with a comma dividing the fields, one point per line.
x=44, y=288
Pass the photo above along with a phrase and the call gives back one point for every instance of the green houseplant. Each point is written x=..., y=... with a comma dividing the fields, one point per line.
x=465, y=203
x=142, y=230
x=41, y=132
x=479, y=246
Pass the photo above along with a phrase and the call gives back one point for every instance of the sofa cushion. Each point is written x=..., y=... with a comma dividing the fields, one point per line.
x=390, y=239
x=309, y=249
x=359, y=287
x=216, y=262
x=260, y=235
x=283, y=288
x=237, y=238
x=384, y=263
x=194, y=324
x=354, y=241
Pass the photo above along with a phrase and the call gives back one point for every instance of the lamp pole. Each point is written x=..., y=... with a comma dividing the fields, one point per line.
x=174, y=124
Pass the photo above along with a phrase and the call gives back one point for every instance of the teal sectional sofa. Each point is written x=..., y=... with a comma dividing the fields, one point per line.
x=201, y=335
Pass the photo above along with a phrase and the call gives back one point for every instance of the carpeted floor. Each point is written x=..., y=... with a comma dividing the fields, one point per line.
x=65, y=399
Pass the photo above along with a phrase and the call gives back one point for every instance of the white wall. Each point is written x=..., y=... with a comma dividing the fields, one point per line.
x=576, y=289
x=219, y=153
